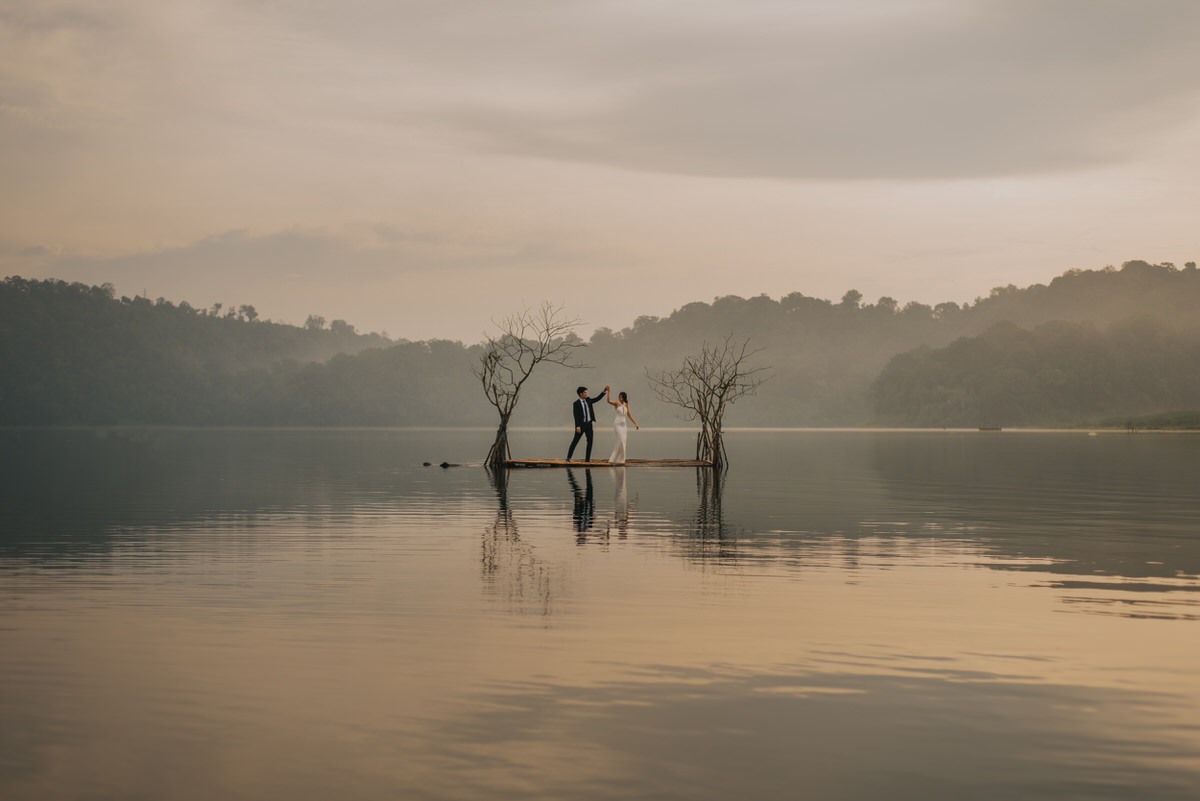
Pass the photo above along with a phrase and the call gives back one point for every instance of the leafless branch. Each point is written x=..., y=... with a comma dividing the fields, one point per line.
x=706, y=384
x=521, y=342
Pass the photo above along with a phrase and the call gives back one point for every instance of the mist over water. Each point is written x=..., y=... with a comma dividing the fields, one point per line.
x=846, y=614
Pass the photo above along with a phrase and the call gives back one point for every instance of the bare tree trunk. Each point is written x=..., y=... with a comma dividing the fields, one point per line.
x=717, y=452
x=710, y=444
x=499, y=450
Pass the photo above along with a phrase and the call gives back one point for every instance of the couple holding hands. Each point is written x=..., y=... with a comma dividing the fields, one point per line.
x=585, y=415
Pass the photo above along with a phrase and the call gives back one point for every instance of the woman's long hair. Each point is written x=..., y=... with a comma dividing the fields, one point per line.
x=623, y=397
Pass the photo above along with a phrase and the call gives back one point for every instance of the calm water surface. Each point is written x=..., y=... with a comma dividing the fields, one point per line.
x=849, y=615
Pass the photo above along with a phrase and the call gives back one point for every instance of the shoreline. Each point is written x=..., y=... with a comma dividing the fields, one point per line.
x=1081, y=429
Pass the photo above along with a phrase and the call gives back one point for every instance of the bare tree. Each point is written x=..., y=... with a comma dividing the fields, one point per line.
x=522, y=341
x=707, y=384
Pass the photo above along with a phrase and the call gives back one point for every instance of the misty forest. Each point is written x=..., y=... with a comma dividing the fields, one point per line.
x=1089, y=346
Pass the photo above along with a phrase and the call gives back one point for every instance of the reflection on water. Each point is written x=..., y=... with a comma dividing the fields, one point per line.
x=791, y=731
x=260, y=614
x=583, y=512
x=706, y=536
x=512, y=569
x=1119, y=509
x=621, y=506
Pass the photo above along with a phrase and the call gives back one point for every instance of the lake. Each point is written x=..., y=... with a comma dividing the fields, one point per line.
x=314, y=614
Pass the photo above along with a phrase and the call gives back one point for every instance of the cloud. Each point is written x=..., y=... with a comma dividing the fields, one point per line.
x=867, y=89
x=967, y=91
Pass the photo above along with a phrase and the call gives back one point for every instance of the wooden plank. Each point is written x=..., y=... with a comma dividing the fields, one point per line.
x=519, y=463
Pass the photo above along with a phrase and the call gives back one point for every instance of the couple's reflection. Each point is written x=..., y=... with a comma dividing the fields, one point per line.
x=621, y=506
x=513, y=571
x=583, y=511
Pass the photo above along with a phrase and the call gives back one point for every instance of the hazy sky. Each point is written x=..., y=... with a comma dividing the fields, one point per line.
x=419, y=167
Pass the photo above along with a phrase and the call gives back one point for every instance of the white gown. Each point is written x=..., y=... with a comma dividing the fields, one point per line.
x=622, y=432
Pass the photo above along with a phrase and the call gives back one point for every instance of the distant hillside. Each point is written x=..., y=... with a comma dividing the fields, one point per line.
x=1058, y=373
x=75, y=354
x=827, y=355
x=1162, y=421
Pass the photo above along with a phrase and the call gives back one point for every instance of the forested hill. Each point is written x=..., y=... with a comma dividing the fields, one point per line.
x=74, y=354
x=827, y=354
x=71, y=353
x=1058, y=373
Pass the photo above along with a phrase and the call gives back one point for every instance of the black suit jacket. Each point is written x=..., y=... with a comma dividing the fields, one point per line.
x=577, y=408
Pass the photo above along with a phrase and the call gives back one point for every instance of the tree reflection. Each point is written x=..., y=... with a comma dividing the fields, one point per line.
x=514, y=571
x=707, y=536
x=510, y=568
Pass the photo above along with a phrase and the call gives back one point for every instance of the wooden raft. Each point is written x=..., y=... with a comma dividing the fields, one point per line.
x=606, y=463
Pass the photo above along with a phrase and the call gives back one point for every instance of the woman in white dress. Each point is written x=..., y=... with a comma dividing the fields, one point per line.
x=618, y=454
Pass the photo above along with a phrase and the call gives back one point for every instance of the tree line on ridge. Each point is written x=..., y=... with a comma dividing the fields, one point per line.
x=1087, y=345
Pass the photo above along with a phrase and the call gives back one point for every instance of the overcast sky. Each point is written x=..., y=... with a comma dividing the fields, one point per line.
x=420, y=167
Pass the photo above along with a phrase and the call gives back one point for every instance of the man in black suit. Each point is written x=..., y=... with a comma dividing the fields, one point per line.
x=585, y=415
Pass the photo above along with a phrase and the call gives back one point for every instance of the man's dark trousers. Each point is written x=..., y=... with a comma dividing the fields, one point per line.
x=585, y=430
